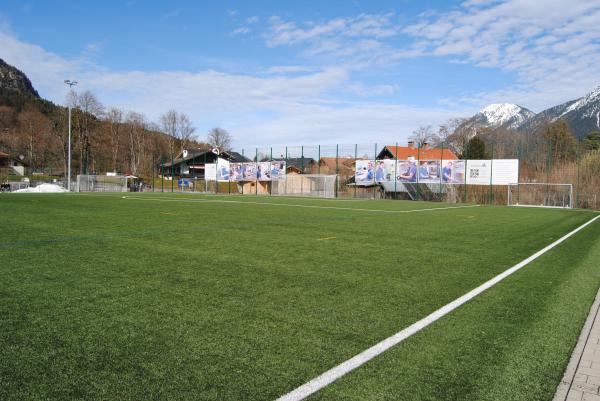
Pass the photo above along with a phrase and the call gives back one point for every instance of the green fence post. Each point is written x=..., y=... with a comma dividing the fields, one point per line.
x=337, y=168
x=271, y=182
x=578, y=161
x=548, y=160
x=172, y=173
x=440, y=170
x=465, y=161
x=417, y=175
x=519, y=157
x=374, y=163
x=355, y=158
x=491, y=196
x=194, y=167
x=243, y=172
x=286, y=166
x=162, y=174
x=302, y=170
x=396, y=172
x=153, y=171
x=319, y=161
x=205, y=181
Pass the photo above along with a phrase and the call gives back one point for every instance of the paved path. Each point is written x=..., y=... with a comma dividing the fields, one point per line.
x=581, y=381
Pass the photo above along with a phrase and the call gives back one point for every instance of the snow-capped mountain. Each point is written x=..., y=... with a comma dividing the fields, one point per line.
x=502, y=115
x=582, y=115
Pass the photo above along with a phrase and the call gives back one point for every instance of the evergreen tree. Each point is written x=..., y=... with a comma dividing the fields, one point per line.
x=475, y=149
x=561, y=144
x=592, y=141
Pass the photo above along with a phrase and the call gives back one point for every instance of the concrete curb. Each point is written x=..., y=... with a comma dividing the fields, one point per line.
x=576, y=383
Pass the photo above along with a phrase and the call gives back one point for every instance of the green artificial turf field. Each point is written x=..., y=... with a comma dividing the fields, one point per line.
x=189, y=297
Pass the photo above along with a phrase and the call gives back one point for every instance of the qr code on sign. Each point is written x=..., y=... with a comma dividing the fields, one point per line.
x=474, y=173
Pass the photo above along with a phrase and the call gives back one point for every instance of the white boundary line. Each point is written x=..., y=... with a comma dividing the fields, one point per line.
x=295, y=205
x=340, y=370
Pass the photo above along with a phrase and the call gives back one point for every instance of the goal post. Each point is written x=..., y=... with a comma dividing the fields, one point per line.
x=540, y=194
x=310, y=185
x=101, y=183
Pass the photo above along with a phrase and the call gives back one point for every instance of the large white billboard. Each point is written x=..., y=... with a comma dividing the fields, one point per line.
x=471, y=172
x=505, y=171
x=478, y=172
x=492, y=172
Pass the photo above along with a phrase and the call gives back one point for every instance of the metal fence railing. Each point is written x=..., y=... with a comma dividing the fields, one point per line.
x=330, y=170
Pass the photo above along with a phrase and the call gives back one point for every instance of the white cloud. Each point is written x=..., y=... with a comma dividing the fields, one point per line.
x=287, y=104
x=354, y=41
x=552, y=46
x=241, y=31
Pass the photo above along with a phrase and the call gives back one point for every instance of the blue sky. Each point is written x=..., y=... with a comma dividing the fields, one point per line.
x=277, y=72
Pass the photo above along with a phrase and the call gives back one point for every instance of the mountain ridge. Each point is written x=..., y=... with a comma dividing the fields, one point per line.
x=13, y=79
x=582, y=115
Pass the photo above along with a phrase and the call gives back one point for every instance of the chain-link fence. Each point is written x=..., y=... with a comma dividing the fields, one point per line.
x=417, y=172
x=442, y=173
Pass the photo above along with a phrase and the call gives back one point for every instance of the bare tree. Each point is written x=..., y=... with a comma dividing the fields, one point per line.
x=448, y=128
x=185, y=130
x=219, y=138
x=136, y=124
x=86, y=120
x=168, y=123
x=35, y=130
x=115, y=120
x=423, y=135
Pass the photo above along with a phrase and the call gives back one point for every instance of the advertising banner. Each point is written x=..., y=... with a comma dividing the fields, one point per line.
x=222, y=170
x=453, y=171
x=429, y=171
x=385, y=170
x=249, y=171
x=263, y=171
x=235, y=171
x=277, y=170
x=365, y=174
x=473, y=172
x=406, y=171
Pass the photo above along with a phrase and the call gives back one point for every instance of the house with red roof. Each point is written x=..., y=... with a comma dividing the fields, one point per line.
x=412, y=151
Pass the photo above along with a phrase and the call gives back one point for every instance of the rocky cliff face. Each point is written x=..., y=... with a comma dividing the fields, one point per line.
x=13, y=80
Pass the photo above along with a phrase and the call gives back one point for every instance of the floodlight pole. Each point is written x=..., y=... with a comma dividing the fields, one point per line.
x=71, y=84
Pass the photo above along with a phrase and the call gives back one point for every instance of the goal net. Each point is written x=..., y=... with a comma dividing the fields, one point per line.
x=540, y=195
x=101, y=183
x=314, y=185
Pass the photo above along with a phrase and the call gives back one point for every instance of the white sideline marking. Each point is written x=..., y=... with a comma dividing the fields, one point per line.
x=296, y=205
x=340, y=370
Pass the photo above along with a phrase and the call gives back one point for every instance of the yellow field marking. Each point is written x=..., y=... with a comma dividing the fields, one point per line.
x=325, y=239
x=169, y=213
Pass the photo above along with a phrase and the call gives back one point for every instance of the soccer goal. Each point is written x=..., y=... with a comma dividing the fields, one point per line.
x=101, y=183
x=540, y=195
x=312, y=185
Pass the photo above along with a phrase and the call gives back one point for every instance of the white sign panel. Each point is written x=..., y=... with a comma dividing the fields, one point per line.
x=210, y=172
x=505, y=171
x=478, y=172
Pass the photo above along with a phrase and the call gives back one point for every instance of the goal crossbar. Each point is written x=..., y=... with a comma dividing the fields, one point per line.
x=540, y=194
